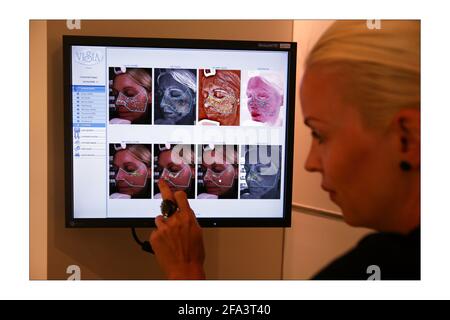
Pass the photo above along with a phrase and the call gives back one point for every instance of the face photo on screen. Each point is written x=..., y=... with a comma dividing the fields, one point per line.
x=130, y=95
x=218, y=172
x=261, y=172
x=263, y=101
x=175, y=163
x=130, y=171
x=175, y=96
x=219, y=97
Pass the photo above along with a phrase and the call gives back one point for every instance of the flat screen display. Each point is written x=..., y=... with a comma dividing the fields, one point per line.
x=214, y=119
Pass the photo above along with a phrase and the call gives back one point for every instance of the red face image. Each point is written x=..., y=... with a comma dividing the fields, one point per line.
x=220, y=175
x=264, y=100
x=220, y=96
x=132, y=175
x=132, y=99
x=178, y=174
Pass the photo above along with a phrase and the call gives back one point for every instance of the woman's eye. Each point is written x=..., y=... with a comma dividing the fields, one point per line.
x=218, y=169
x=219, y=94
x=130, y=94
x=317, y=136
x=130, y=168
x=174, y=169
x=175, y=93
x=261, y=167
x=263, y=97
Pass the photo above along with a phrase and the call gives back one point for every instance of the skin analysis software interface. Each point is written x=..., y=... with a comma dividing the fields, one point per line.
x=210, y=122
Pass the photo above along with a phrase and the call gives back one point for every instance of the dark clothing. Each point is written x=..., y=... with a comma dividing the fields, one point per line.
x=396, y=255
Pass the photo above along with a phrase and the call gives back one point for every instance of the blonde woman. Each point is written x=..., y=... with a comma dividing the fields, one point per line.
x=132, y=170
x=360, y=97
x=132, y=91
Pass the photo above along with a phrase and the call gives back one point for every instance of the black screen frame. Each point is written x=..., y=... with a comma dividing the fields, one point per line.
x=289, y=47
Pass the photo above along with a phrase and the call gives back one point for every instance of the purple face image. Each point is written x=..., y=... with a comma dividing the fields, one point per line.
x=264, y=100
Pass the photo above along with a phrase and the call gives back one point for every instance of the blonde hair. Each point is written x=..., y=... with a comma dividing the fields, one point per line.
x=141, y=153
x=383, y=65
x=142, y=77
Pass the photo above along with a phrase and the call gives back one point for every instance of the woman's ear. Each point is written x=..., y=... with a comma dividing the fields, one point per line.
x=406, y=124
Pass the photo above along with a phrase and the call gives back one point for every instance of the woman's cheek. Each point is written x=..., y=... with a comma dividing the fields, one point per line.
x=332, y=164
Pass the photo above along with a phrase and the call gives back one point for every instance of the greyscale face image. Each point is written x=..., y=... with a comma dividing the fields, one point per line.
x=260, y=172
x=175, y=96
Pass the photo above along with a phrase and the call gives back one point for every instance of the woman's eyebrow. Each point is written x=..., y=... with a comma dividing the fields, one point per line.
x=308, y=121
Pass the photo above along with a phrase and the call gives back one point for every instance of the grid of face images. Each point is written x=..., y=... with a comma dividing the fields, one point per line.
x=202, y=171
x=158, y=96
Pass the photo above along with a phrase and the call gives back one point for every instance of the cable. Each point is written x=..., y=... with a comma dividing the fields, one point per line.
x=146, y=246
x=168, y=208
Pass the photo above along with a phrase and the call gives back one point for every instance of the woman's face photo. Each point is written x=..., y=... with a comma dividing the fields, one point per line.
x=179, y=176
x=175, y=99
x=219, y=177
x=353, y=161
x=132, y=99
x=220, y=99
x=262, y=176
x=263, y=100
x=132, y=175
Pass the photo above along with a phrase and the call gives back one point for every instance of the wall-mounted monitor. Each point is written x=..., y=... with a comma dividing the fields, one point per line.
x=213, y=118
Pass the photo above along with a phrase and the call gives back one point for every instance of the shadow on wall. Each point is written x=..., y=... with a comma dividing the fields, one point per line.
x=112, y=253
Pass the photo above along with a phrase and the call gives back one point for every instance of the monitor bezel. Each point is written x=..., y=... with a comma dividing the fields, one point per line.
x=285, y=46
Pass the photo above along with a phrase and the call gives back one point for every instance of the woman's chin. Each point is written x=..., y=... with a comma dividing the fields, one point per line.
x=129, y=191
x=175, y=189
x=352, y=219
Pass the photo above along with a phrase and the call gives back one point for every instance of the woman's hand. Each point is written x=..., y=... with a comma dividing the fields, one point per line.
x=177, y=241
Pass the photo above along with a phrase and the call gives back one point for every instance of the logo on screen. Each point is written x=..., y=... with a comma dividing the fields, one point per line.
x=88, y=57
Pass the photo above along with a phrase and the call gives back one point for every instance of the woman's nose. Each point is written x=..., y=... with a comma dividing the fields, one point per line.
x=207, y=176
x=119, y=177
x=313, y=163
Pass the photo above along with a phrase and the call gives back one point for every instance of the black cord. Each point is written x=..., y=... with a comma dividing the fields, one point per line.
x=146, y=246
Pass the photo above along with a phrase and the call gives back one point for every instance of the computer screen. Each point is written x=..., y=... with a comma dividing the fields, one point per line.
x=213, y=118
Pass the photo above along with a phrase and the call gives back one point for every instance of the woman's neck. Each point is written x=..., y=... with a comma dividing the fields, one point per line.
x=405, y=216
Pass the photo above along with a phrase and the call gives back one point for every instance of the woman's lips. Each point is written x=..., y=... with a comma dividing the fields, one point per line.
x=331, y=192
x=127, y=115
x=170, y=115
x=212, y=189
x=124, y=186
x=332, y=196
